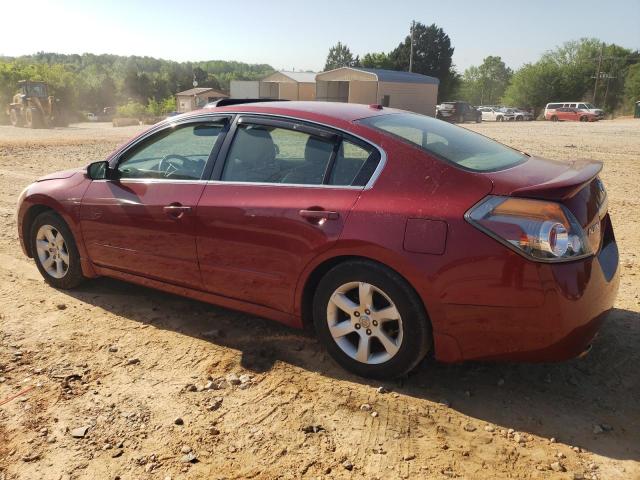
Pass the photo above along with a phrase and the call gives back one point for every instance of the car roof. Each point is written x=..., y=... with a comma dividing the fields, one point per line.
x=307, y=110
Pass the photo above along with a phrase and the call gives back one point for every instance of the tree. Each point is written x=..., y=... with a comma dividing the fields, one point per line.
x=377, y=60
x=340, y=56
x=632, y=86
x=566, y=73
x=486, y=84
x=534, y=85
x=432, y=55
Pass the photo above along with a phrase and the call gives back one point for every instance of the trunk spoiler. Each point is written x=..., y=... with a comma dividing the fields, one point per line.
x=565, y=185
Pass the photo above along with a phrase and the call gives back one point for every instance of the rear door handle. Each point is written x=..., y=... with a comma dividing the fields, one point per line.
x=176, y=210
x=316, y=215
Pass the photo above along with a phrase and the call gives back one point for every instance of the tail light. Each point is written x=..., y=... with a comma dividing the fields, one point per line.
x=540, y=230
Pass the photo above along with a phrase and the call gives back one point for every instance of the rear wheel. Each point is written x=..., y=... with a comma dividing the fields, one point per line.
x=55, y=252
x=479, y=119
x=461, y=118
x=554, y=118
x=499, y=118
x=370, y=320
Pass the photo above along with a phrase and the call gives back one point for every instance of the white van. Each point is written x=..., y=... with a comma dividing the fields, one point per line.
x=584, y=106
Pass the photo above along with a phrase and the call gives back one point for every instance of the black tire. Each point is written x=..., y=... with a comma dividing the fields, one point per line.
x=73, y=276
x=28, y=118
x=460, y=118
x=554, y=118
x=479, y=119
x=416, y=338
x=14, y=117
x=499, y=118
x=584, y=119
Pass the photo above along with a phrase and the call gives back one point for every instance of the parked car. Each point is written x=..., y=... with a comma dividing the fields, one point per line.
x=92, y=117
x=394, y=234
x=495, y=114
x=458, y=112
x=570, y=114
x=523, y=115
x=582, y=106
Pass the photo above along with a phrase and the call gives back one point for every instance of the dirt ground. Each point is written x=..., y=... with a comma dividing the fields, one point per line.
x=157, y=386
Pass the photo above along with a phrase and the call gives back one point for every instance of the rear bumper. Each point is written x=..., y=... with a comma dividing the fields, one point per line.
x=577, y=298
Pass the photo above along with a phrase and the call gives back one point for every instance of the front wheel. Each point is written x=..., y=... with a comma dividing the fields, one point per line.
x=554, y=118
x=55, y=252
x=370, y=320
x=14, y=117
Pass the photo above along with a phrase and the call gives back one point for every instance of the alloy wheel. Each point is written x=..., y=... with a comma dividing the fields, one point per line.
x=364, y=322
x=52, y=251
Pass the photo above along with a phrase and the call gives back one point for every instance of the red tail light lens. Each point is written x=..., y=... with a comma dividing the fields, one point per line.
x=540, y=230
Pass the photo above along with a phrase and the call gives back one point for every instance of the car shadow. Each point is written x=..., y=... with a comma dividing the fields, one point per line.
x=565, y=400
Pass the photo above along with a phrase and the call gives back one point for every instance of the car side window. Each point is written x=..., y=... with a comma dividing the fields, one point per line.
x=267, y=154
x=350, y=161
x=179, y=153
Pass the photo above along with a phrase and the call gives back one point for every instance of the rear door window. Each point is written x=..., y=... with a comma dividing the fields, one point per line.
x=271, y=153
x=265, y=154
x=349, y=166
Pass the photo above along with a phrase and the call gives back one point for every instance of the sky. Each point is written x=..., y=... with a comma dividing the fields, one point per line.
x=297, y=35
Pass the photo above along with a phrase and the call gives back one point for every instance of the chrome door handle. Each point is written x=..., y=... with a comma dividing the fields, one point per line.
x=176, y=210
x=319, y=215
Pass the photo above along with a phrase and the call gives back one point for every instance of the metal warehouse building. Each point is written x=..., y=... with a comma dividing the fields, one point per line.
x=278, y=86
x=389, y=88
x=289, y=86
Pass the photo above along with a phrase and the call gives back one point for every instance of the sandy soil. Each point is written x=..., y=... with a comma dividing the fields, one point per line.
x=122, y=361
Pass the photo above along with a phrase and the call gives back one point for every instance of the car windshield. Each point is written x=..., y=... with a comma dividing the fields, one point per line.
x=589, y=105
x=458, y=145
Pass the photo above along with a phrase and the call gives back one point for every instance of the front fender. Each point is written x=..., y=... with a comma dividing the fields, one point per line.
x=64, y=197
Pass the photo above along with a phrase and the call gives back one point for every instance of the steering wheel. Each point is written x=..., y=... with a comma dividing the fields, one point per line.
x=168, y=166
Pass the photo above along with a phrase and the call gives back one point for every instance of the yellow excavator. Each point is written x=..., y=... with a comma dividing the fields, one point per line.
x=33, y=107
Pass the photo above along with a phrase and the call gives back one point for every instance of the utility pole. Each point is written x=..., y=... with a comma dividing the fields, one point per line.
x=413, y=24
x=595, y=87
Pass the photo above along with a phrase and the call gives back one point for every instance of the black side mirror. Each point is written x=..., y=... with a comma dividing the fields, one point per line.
x=98, y=170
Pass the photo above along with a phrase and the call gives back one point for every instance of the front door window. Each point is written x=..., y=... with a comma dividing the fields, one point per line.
x=174, y=154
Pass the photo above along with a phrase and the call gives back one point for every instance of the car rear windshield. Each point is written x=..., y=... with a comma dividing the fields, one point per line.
x=454, y=144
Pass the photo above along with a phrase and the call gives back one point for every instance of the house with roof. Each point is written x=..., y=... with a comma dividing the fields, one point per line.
x=389, y=88
x=195, y=98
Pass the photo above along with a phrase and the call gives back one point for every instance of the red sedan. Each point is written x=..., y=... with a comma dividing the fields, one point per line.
x=570, y=115
x=394, y=234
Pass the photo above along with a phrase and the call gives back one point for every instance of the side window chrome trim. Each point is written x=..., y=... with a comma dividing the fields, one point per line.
x=152, y=180
x=290, y=185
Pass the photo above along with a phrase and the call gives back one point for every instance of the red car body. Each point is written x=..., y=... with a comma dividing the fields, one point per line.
x=247, y=247
x=568, y=114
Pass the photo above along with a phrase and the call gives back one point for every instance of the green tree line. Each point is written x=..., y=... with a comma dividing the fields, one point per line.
x=91, y=82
